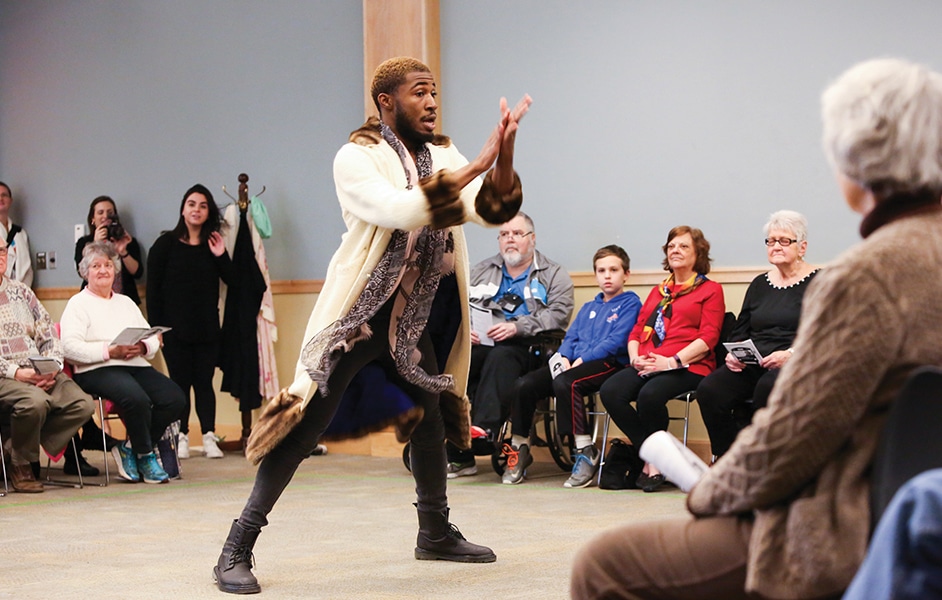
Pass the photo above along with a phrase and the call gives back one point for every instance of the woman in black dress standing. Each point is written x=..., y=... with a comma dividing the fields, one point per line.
x=184, y=268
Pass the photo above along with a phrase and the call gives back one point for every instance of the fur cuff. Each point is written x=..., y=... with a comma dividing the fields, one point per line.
x=497, y=208
x=444, y=203
x=456, y=414
x=278, y=418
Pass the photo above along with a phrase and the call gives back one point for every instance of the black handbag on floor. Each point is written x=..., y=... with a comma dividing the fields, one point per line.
x=621, y=468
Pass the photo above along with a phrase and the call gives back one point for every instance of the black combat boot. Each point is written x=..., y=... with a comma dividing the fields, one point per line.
x=233, y=570
x=440, y=540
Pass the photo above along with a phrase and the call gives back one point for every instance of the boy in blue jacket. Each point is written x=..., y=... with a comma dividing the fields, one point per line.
x=595, y=348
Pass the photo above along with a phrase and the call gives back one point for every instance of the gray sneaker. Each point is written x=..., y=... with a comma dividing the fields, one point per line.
x=462, y=469
x=584, y=469
x=518, y=459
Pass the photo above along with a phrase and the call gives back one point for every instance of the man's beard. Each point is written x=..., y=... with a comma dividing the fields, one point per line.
x=513, y=258
x=410, y=135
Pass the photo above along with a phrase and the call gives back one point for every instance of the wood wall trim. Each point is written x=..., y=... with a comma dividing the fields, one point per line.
x=399, y=28
x=579, y=278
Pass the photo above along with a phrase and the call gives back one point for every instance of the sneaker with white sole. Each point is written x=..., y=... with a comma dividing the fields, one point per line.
x=210, y=446
x=518, y=459
x=462, y=469
x=150, y=471
x=127, y=462
x=183, y=445
x=584, y=469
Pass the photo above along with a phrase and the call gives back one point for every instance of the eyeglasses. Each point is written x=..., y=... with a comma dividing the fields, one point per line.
x=3, y=251
x=515, y=234
x=783, y=242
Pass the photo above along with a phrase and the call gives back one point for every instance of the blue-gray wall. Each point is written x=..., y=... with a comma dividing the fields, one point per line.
x=646, y=114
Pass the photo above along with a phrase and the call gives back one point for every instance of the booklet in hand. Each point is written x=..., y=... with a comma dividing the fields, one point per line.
x=745, y=351
x=44, y=365
x=133, y=335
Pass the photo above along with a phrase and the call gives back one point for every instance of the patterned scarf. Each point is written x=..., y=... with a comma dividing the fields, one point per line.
x=411, y=267
x=660, y=320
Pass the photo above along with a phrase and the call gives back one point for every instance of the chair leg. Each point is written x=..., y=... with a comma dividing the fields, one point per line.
x=3, y=464
x=608, y=419
x=104, y=443
x=689, y=399
x=47, y=480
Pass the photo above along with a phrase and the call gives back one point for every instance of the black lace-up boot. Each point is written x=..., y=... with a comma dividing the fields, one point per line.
x=440, y=540
x=233, y=570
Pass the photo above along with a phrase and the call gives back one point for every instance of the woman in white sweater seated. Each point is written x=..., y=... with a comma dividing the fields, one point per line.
x=147, y=400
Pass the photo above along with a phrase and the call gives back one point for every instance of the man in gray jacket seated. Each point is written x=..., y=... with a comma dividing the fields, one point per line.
x=527, y=294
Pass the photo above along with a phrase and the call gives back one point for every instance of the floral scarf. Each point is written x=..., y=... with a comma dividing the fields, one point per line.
x=659, y=321
x=411, y=268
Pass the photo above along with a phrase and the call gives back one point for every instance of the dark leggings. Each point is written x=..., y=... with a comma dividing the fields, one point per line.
x=147, y=400
x=193, y=366
x=427, y=442
x=722, y=391
x=650, y=393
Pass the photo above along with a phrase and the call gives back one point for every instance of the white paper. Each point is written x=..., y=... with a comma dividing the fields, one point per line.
x=133, y=335
x=556, y=364
x=677, y=462
x=745, y=351
x=481, y=321
x=44, y=365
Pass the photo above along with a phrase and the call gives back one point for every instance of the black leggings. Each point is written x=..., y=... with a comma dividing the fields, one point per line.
x=427, y=442
x=651, y=394
x=193, y=366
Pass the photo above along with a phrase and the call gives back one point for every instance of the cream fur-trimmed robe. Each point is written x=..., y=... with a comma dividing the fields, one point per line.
x=371, y=187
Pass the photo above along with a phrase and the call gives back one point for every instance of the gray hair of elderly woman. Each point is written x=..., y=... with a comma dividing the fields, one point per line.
x=788, y=220
x=883, y=126
x=95, y=250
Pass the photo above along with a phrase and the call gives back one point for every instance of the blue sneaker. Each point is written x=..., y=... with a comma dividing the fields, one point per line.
x=584, y=469
x=127, y=463
x=150, y=470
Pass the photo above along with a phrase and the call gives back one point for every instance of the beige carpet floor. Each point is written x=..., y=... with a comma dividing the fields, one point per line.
x=344, y=529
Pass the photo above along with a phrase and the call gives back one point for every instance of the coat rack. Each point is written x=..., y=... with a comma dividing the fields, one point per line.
x=243, y=199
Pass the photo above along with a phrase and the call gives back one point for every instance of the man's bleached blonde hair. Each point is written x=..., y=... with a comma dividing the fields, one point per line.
x=391, y=73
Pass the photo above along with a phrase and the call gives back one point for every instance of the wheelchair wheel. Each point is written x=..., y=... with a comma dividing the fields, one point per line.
x=407, y=457
x=499, y=459
x=559, y=447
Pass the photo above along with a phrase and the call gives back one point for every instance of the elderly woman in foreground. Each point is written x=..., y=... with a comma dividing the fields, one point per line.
x=785, y=513
x=769, y=317
x=147, y=400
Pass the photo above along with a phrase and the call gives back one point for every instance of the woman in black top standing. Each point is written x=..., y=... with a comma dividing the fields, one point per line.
x=184, y=268
x=769, y=317
x=105, y=227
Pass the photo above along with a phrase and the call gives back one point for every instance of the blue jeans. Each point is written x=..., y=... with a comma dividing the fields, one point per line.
x=905, y=556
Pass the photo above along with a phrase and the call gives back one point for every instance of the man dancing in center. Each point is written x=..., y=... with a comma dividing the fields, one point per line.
x=404, y=192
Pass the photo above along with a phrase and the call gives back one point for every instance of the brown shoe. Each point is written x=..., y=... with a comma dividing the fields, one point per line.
x=24, y=481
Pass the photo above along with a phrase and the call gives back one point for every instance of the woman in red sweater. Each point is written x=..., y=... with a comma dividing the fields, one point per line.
x=671, y=345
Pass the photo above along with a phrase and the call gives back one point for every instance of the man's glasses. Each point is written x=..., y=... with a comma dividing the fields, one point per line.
x=515, y=234
x=783, y=242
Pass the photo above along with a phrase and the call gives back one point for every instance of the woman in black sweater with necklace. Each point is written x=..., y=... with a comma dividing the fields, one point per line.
x=184, y=268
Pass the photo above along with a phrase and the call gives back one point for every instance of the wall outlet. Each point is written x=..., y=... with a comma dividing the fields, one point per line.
x=51, y=260
x=79, y=231
x=40, y=261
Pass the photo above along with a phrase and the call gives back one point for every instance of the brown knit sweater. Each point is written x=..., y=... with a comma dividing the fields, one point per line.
x=802, y=468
